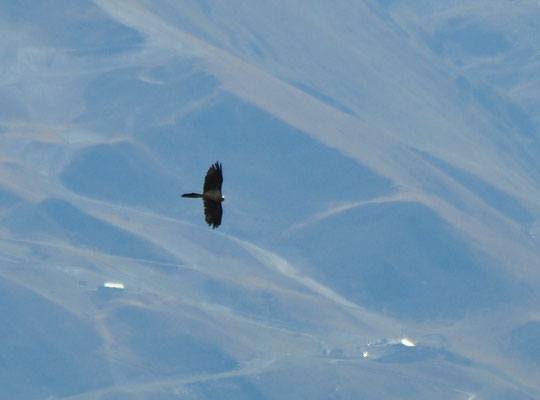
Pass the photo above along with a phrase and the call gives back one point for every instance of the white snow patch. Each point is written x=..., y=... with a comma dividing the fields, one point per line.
x=114, y=285
x=407, y=342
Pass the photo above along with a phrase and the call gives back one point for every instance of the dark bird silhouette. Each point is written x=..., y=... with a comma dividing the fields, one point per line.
x=211, y=195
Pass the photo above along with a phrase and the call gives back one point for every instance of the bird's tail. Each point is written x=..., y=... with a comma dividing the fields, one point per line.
x=192, y=195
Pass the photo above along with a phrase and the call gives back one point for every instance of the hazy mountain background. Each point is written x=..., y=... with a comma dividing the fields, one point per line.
x=382, y=177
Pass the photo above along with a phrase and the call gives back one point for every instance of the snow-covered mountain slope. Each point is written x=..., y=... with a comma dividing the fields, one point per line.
x=380, y=235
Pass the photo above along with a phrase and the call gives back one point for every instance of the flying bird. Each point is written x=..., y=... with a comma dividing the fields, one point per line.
x=211, y=195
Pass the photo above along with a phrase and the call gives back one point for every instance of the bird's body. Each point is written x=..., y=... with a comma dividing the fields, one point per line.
x=211, y=195
x=214, y=195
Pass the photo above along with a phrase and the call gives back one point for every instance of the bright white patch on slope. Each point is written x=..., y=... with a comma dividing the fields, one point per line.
x=114, y=285
x=407, y=342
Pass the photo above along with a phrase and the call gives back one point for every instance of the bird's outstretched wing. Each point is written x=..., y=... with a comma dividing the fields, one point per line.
x=212, y=212
x=214, y=178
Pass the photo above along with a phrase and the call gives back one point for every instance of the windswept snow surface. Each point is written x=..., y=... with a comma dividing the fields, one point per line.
x=381, y=234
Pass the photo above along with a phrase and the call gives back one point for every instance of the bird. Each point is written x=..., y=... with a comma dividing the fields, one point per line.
x=211, y=195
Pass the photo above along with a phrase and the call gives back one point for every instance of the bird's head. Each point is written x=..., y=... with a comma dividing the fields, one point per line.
x=222, y=198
